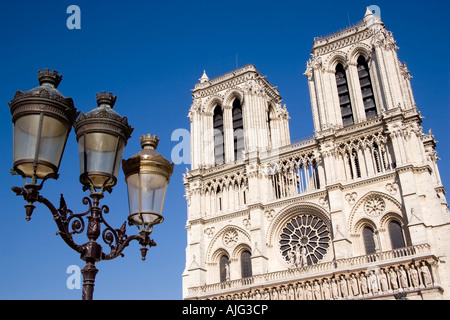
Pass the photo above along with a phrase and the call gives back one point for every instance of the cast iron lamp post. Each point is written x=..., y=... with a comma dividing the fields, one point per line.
x=42, y=119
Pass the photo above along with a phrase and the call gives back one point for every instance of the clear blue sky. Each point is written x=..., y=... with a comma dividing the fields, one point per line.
x=150, y=54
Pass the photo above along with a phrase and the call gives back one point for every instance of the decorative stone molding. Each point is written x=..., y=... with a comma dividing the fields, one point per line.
x=392, y=188
x=225, y=239
x=247, y=223
x=374, y=199
x=351, y=198
x=269, y=214
x=230, y=238
x=289, y=212
x=210, y=232
x=374, y=206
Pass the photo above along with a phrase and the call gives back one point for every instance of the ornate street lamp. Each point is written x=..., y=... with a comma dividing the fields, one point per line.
x=42, y=120
x=102, y=135
x=147, y=174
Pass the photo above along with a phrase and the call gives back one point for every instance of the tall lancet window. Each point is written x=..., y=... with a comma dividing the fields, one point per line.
x=369, y=240
x=246, y=264
x=396, y=235
x=269, y=126
x=238, y=129
x=344, y=96
x=219, y=148
x=366, y=89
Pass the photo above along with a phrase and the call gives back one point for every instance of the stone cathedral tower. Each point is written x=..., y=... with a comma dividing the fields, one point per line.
x=356, y=212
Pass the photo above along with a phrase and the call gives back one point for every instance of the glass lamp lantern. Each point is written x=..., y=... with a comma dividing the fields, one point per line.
x=147, y=175
x=102, y=134
x=42, y=119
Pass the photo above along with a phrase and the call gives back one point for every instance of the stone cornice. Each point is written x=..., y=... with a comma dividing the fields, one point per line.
x=216, y=172
x=232, y=79
x=367, y=181
x=222, y=217
x=316, y=194
x=413, y=168
x=341, y=39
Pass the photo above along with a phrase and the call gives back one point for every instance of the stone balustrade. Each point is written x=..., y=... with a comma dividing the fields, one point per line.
x=384, y=275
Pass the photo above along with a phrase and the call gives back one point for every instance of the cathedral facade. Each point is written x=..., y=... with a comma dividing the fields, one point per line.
x=356, y=212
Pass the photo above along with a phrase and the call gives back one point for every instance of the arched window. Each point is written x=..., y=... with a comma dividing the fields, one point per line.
x=224, y=268
x=396, y=235
x=353, y=164
x=344, y=96
x=246, y=264
x=219, y=148
x=356, y=162
x=238, y=129
x=269, y=127
x=369, y=240
x=366, y=89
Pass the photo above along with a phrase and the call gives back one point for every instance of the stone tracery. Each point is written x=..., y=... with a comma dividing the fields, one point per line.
x=304, y=240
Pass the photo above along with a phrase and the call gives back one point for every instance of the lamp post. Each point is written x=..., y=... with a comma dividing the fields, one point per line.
x=42, y=119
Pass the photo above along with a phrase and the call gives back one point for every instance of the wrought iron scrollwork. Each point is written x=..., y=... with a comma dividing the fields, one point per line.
x=70, y=223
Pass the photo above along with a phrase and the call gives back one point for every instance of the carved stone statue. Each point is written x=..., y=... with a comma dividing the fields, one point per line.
x=403, y=277
x=298, y=257
x=304, y=261
x=326, y=289
x=414, y=276
x=299, y=291
x=354, y=285
x=227, y=271
x=393, y=279
x=373, y=280
x=266, y=294
x=291, y=293
x=363, y=283
x=334, y=289
x=343, y=286
x=383, y=281
x=426, y=276
x=292, y=258
x=308, y=292
x=316, y=291
x=274, y=294
x=283, y=293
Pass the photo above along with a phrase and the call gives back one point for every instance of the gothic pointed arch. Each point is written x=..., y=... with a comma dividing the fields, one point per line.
x=243, y=253
x=343, y=90
x=238, y=129
x=334, y=59
x=396, y=228
x=232, y=94
x=229, y=239
x=373, y=206
x=212, y=102
x=218, y=134
x=290, y=211
x=357, y=50
x=368, y=95
x=216, y=255
x=301, y=233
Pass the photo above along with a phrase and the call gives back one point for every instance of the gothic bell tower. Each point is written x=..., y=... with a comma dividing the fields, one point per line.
x=367, y=122
x=236, y=119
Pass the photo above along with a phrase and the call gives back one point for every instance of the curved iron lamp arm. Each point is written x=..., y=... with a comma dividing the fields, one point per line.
x=69, y=224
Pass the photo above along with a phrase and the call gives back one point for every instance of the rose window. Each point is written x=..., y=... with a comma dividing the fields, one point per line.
x=304, y=240
x=374, y=206
x=230, y=238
